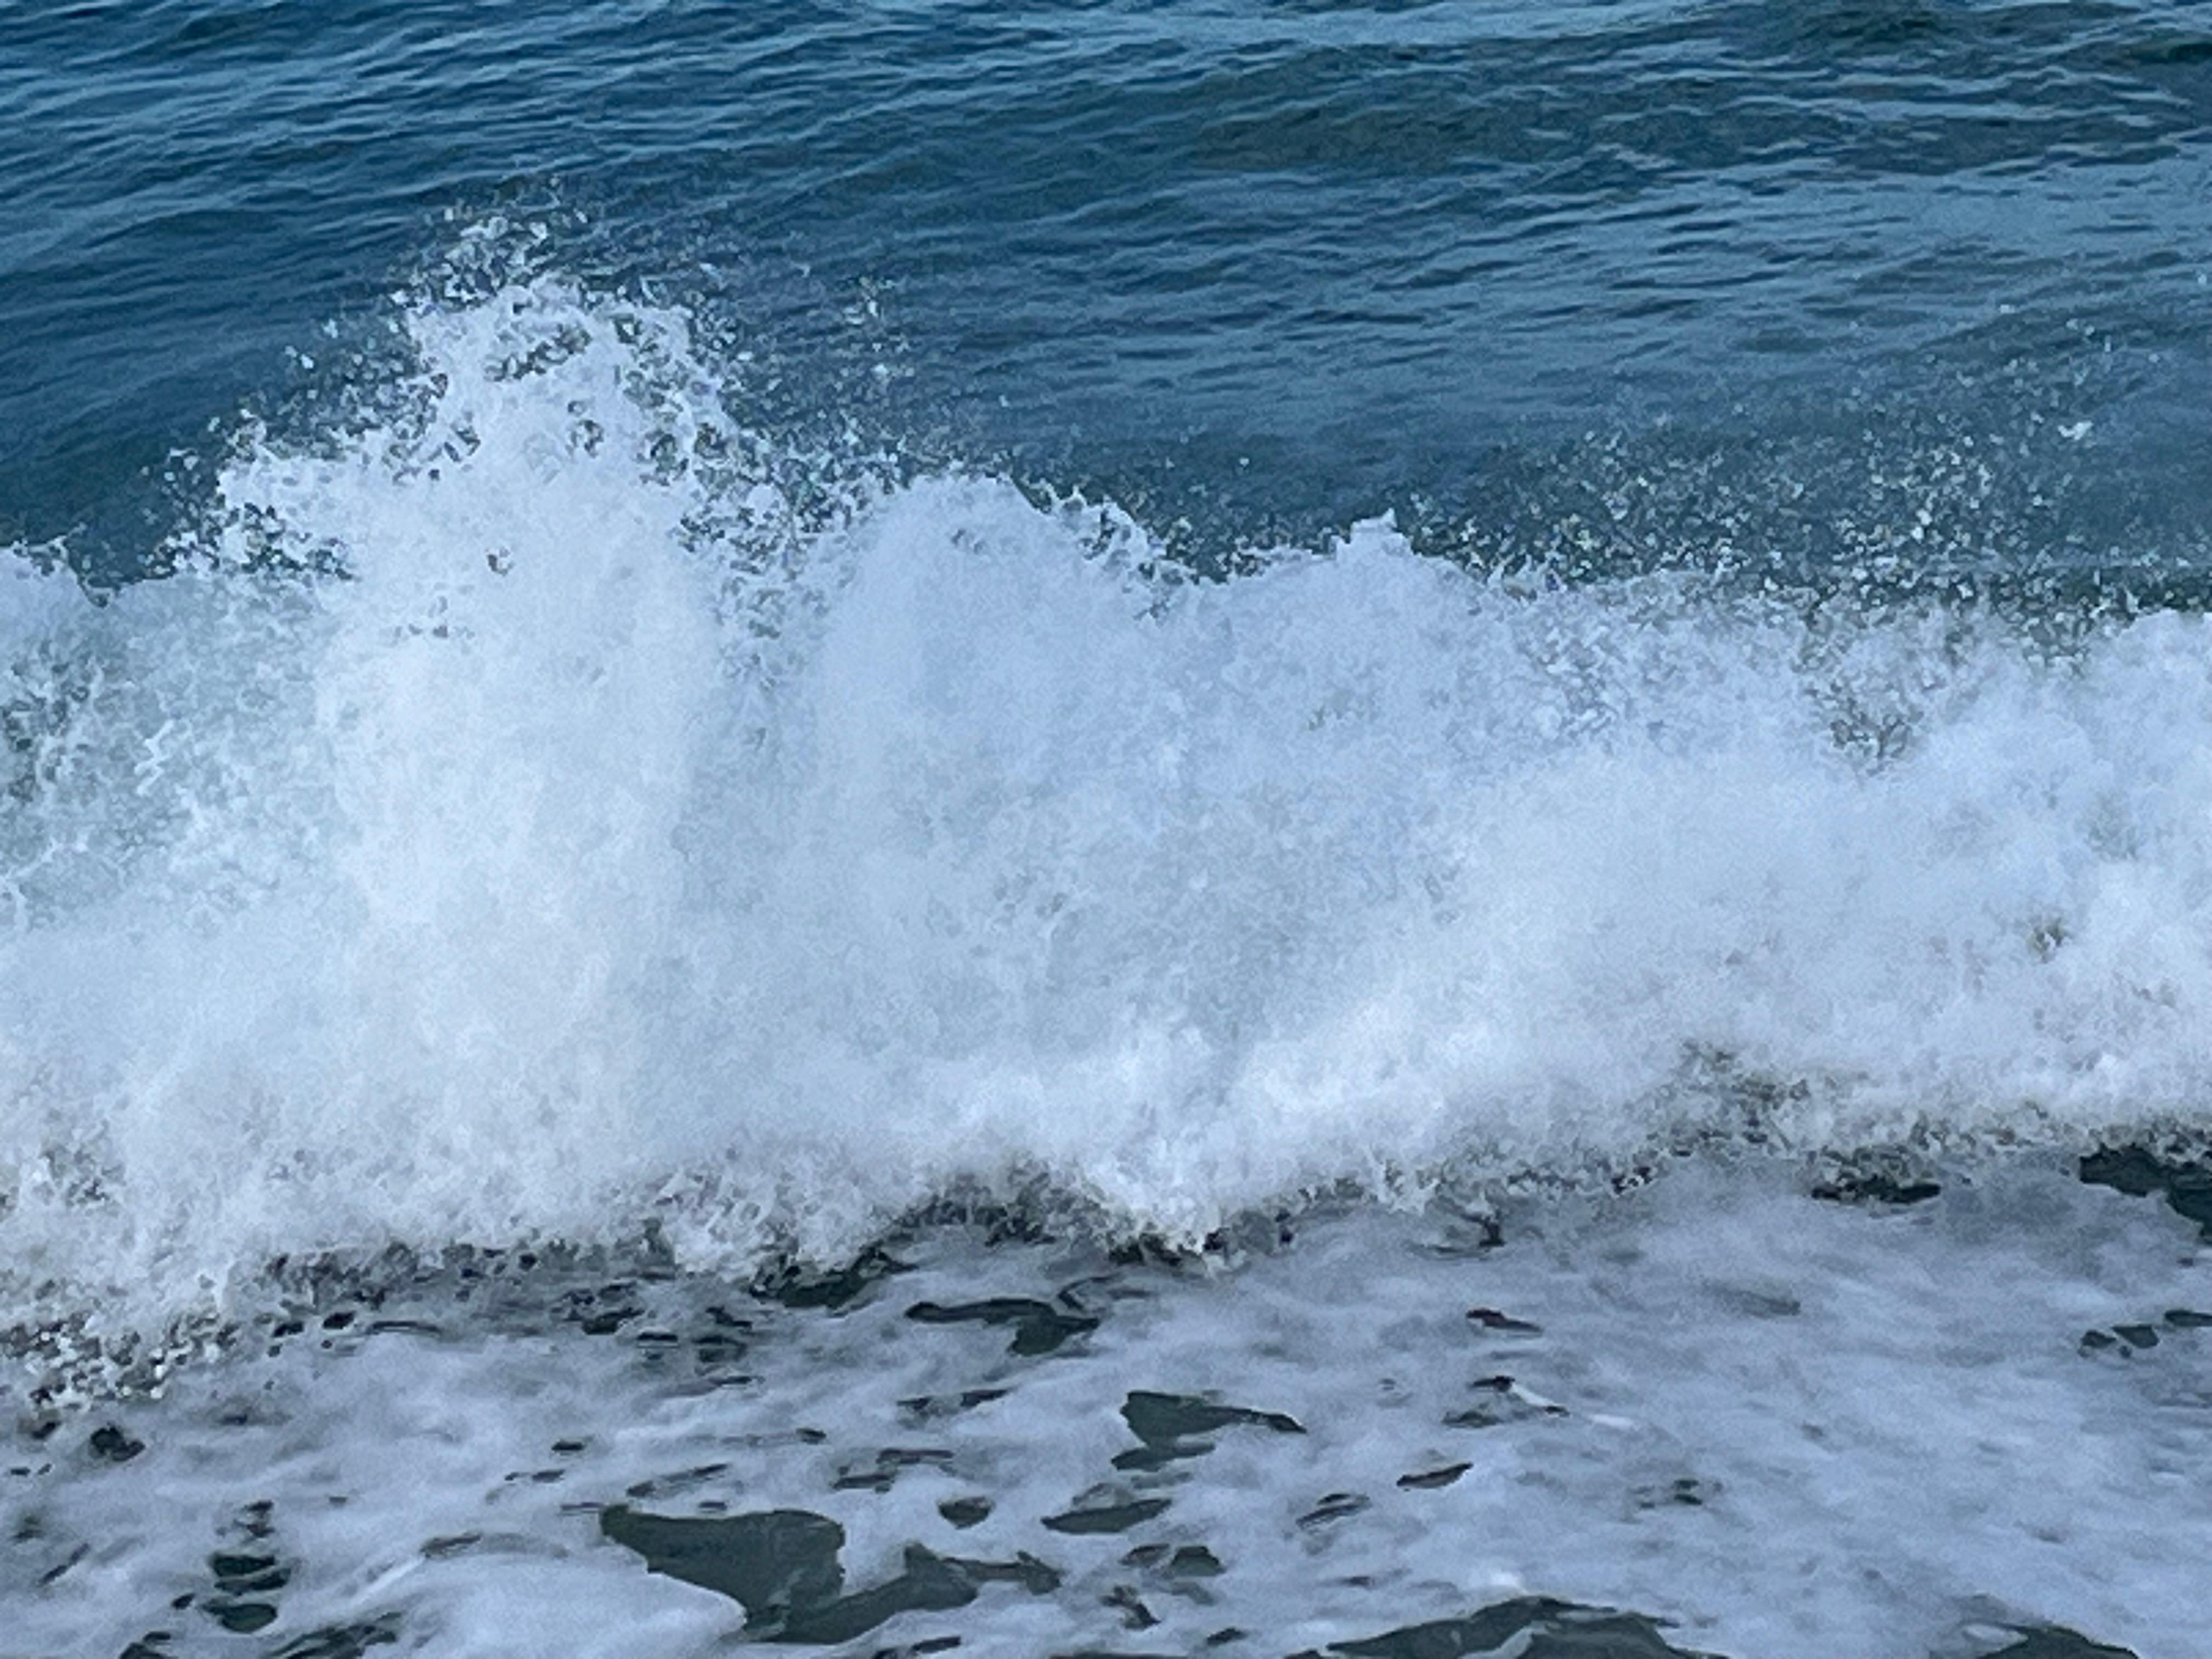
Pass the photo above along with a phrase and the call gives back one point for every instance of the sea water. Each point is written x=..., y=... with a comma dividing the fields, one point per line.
x=1106, y=828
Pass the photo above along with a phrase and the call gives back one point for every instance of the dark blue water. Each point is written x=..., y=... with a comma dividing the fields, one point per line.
x=1262, y=267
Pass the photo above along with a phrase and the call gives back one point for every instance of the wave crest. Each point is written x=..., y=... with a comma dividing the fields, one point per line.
x=551, y=803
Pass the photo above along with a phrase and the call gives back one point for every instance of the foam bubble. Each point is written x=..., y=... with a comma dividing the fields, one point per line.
x=552, y=805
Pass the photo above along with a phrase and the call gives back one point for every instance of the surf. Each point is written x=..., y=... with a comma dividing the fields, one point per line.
x=537, y=805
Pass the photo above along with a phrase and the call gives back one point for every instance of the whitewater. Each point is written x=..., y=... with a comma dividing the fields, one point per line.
x=549, y=812
x=626, y=1036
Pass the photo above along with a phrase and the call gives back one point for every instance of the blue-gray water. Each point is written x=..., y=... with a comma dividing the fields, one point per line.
x=1270, y=266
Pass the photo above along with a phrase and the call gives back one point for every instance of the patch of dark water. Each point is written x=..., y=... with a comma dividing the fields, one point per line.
x=1503, y=1401
x=340, y=1642
x=1173, y=1426
x=1039, y=1327
x=1528, y=1628
x=965, y=1512
x=247, y=1573
x=1182, y=1561
x=2055, y=1642
x=1876, y=1187
x=796, y=1284
x=2183, y=1181
x=883, y=1472
x=1433, y=1480
x=1106, y=1510
x=770, y=1563
x=783, y=1567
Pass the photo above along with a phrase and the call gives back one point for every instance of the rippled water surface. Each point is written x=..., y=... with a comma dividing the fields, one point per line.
x=1319, y=259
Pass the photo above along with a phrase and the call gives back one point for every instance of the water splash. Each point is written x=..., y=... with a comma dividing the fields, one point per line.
x=542, y=804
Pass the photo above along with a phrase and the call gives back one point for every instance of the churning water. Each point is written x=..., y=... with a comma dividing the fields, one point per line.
x=1241, y=661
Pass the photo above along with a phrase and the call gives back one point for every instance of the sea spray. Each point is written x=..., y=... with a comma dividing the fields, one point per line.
x=551, y=808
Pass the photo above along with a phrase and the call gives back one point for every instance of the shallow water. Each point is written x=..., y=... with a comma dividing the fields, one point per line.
x=1761, y=1422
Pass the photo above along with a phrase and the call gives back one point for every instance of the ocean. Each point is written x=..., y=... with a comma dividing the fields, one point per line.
x=1261, y=827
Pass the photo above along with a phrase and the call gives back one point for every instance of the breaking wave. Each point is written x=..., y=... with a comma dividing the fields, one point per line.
x=537, y=805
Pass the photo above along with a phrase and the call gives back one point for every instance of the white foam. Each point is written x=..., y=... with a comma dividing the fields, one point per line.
x=629, y=833
x=1780, y=1426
